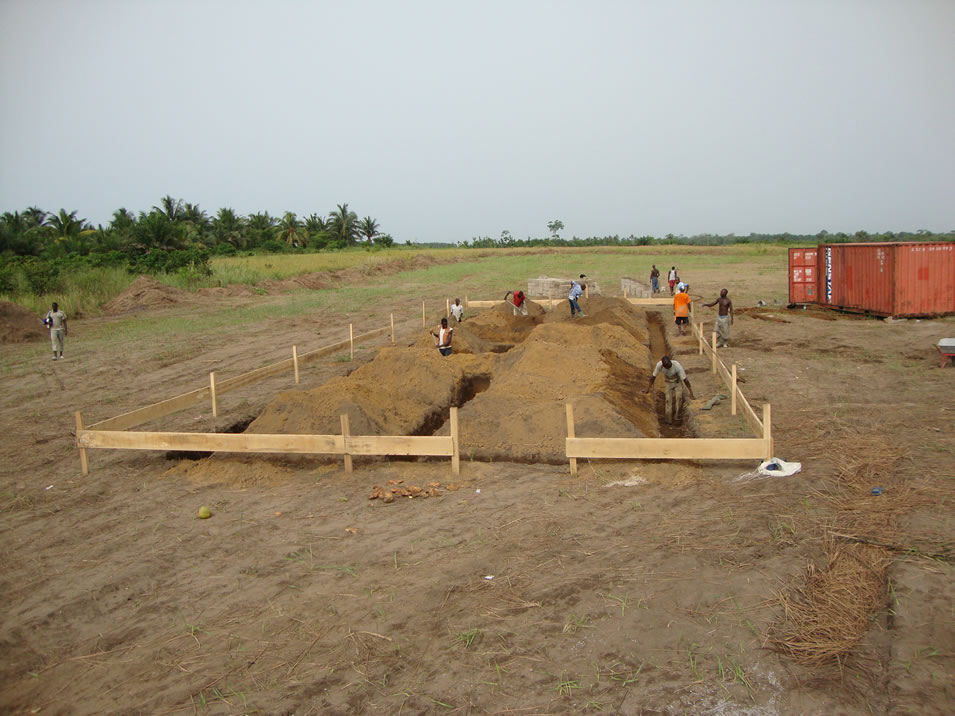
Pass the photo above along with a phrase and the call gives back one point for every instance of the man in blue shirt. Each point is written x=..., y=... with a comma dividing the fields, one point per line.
x=575, y=292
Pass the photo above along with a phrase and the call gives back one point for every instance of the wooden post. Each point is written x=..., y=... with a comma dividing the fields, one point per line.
x=392, y=329
x=84, y=462
x=345, y=434
x=571, y=434
x=456, y=456
x=587, y=291
x=701, y=338
x=212, y=394
x=295, y=362
x=715, y=359
x=449, y=307
x=351, y=341
x=692, y=313
x=767, y=431
x=733, y=390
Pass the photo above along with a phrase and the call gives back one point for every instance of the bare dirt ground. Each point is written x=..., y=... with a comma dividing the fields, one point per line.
x=519, y=589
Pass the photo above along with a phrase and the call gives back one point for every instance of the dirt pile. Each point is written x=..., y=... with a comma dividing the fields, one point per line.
x=19, y=325
x=145, y=293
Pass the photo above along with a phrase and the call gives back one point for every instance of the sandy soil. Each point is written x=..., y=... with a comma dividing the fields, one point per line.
x=518, y=589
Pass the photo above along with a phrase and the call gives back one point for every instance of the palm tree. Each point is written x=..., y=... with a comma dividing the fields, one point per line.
x=368, y=228
x=227, y=226
x=155, y=231
x=172, y=208
x=35, y=216
x=260, y=228
x=290, y=230
x=343, y=225
x=67, y=225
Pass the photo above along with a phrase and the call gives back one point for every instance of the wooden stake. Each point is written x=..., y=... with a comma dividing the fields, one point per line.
x=295, y=362
x=733, y=388
x=456, y=457
x=767, y=431
x=571, y=434
x=351, y=341
x=392, y=329
x=701, y=338
x=449, y=308
x=84, y=462
x=345, y=434
x=587, y=291
x=713, y=347
x=423, y=322
x=692, y=312
x=212, y=394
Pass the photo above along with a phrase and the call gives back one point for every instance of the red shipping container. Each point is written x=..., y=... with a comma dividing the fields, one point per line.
x=884, y=279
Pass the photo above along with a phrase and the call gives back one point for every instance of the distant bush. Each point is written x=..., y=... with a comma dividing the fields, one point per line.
x=224, y=248
x=274, y=246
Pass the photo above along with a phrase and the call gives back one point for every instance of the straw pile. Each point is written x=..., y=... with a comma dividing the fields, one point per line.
x=826, y=612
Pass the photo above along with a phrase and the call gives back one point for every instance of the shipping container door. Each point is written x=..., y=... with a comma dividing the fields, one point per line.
x=802, y=276
x=860, y=277
x=924, y=279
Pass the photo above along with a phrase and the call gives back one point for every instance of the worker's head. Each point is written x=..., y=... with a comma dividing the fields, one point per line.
x=444, y=322
x=673, y=268
x=520, y=294
x=457, y=301
x=583, y=275
x=665, y=360
x=723, y=293
x=56, y=306
x=681, y=286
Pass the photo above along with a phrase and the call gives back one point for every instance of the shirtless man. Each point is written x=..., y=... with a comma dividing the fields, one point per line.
x=724, y=320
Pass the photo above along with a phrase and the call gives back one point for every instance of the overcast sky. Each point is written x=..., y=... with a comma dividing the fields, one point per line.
x=448, y=120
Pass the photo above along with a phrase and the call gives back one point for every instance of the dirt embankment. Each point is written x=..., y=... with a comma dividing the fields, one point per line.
x=145, y=293
x=19, y=325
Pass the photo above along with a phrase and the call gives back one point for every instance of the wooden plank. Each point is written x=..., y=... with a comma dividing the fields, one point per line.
x=440, y=445
x=295, y=362
x=650, y=301
x=351, y=342
x=483, y=304
x=151, y=412
x=570, y=436
x=84, y=463
x=211, y=442
x=667, y=448
x=733, y=390
x=750, y=415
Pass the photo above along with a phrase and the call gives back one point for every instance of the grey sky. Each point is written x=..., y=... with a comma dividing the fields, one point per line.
x=448, y=120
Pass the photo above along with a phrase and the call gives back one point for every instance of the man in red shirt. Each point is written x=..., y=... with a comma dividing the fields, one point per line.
x=518, y=302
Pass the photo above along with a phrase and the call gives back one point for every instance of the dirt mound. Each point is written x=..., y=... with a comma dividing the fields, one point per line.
x=19, y=325
x=233, y=290
x=144, y=293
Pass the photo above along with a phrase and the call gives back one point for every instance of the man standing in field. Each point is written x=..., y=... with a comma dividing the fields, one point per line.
x=56, y=320
x=654, y=279
x=576, y=290
x=724, y=320
x=443, y=336
x=519, y=305
x=675, y=380
x=672, y=277
x=681, y=308
x=457, y=310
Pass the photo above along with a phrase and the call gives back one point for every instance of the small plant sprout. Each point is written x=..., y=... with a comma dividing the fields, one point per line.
x=468, y=637
x=575, y=622
x=622, y=602
x=567, y=686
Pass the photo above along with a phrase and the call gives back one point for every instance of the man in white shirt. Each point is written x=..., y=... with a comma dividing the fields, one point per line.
x=675, y=380
x=56, y=320
x=457, y=310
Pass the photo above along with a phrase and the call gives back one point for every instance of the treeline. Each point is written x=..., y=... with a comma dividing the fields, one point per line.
x=823, y=237
x=175, y=236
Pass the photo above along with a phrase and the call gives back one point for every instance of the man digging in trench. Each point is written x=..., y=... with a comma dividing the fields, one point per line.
x=675, y=380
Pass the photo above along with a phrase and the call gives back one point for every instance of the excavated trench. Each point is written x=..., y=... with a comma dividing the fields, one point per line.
x=510, y=378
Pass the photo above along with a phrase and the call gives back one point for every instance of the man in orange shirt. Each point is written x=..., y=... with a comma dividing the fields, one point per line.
x=681, y=308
